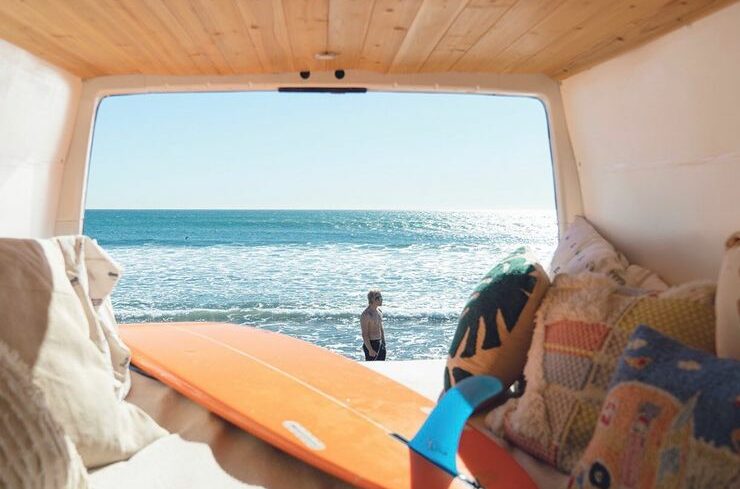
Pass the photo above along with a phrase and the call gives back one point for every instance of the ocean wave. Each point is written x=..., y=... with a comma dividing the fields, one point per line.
x=261, y=315
x=136, y=245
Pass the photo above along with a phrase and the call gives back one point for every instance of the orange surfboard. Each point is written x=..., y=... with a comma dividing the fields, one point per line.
x=320, y=407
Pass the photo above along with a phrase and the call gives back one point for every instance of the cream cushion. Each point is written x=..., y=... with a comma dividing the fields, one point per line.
x=728, y=301
x=44, y=321
x=583, y=249
x=93, y=275
x=34, y=451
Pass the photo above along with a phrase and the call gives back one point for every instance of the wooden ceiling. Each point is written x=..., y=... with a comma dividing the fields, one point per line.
x=92, y=38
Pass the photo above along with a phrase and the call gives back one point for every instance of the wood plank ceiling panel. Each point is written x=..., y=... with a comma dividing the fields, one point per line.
x=72, y=35
x=94, y=39
x=200, y=44
x=268, y=31
x=221, y=37
x=590, y=32
x=389, y=22
x=519, y=19
x=348, y=27
x=47, y=47
x=170, y=37
x=566, y=18
x=223, y=23
x=477, y=18
x=428, y=28
x=176, y=37
x=308, y=23
x=611, y=40
x=112, y=22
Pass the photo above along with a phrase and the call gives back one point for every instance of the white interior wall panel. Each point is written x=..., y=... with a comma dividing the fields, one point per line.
x=38, y=103
x=656, y=136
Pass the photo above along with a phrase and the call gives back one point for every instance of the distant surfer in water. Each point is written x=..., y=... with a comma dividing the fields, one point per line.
x=371, y=321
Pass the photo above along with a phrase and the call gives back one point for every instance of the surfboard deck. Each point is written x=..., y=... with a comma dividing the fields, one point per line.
x=320, y=407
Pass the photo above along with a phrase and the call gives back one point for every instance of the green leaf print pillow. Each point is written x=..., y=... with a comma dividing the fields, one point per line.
x=495, y=327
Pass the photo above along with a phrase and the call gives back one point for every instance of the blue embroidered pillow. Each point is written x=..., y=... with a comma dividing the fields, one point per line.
x=671, y=419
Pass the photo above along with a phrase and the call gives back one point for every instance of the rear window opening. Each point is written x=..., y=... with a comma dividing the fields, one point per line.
x=281, y=210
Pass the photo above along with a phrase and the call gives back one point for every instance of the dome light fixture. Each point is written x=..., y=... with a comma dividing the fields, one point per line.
x=325, y=55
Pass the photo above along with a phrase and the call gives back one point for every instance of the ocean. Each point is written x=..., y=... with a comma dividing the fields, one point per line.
x=306, y=273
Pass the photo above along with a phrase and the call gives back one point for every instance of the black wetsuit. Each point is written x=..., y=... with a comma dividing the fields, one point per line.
x=379, y=350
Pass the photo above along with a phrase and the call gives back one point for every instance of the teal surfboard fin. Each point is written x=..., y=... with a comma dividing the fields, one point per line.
x=439, y=437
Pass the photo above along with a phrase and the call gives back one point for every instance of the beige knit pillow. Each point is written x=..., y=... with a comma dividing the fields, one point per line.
x=44, y=322
x=34, y=451
x=582, y=328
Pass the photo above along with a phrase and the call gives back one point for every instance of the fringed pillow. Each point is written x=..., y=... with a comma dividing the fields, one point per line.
x=671, y=419
x=495, y=327
x=583, y=249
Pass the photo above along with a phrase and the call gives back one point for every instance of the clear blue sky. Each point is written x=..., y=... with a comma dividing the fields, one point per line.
x=269, y=150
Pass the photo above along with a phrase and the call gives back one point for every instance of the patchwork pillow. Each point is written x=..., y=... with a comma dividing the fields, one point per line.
x=43, y=320
x=728, y=301
x=34, y=451
x=671, y=419
x=583, y=249
x=495, y=327
x=582, y=327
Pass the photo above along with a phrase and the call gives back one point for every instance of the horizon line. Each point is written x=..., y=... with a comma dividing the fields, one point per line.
x=318, y=209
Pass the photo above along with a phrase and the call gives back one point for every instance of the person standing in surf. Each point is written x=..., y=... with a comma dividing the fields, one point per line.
x=371, y=321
